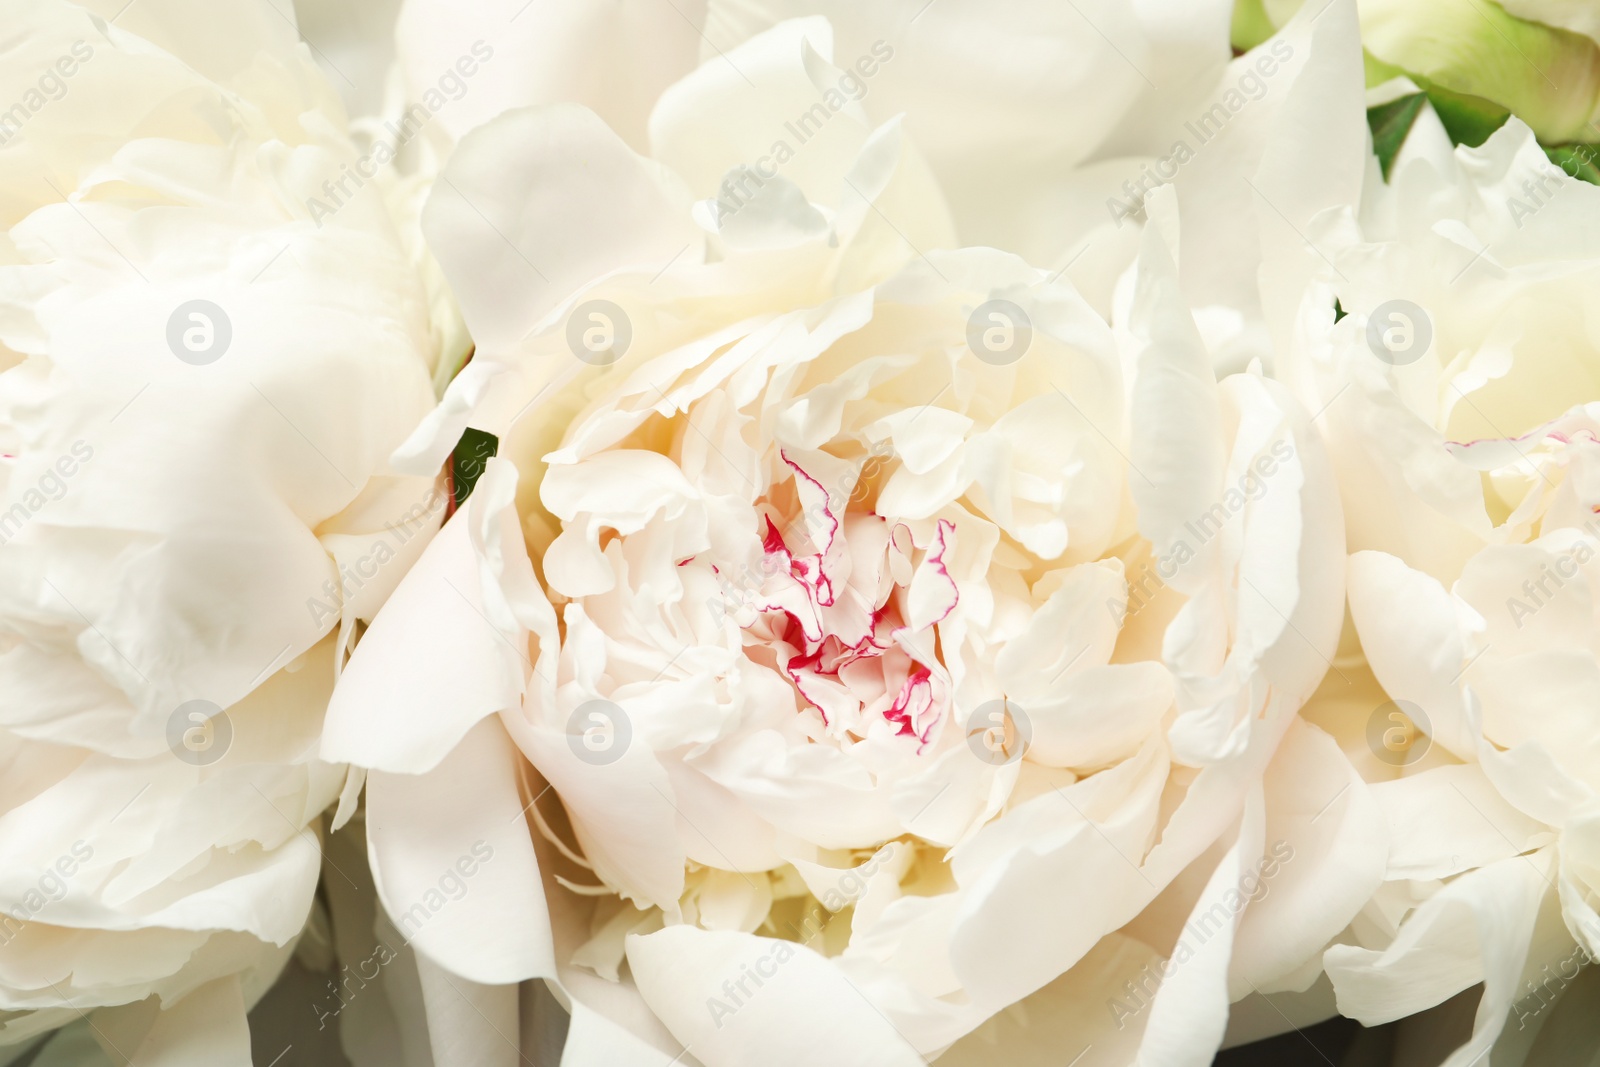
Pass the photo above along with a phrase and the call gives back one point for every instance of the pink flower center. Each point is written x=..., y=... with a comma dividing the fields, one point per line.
x=839, y=621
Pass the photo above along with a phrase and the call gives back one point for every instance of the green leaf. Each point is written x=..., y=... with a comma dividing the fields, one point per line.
x=1581, y=161
x=1390, y=123
x=1469, y=120
x=1338, y=310
x=468, y=461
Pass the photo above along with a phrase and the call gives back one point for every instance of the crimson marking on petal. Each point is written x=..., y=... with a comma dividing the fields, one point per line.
x=813, y=569
x=936, y=560
x=915, y=701
x=773, y=544
x=833, y=519
x=819, y=660
x=795, y=677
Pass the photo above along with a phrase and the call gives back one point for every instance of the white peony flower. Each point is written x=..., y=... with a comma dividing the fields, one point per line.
x=1030, y=114
x=199, y=390
x=1461, y=391
x=865, y=631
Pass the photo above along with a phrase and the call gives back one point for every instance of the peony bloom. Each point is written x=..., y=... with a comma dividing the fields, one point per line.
x=199, y=390
x=853, y=625
x=1029, y=114
x=1461, y=391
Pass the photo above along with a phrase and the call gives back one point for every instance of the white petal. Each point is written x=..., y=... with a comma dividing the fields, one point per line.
x=431, y=661
x=469, y=1022
x=1331, y=824
x=454, y=833
x=518, y=229
x=1477, y=928
x=681, y=971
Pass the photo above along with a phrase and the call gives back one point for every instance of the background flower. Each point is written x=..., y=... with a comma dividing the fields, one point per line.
x=1030, y=114
x=200, y=389
x=1450, y=381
